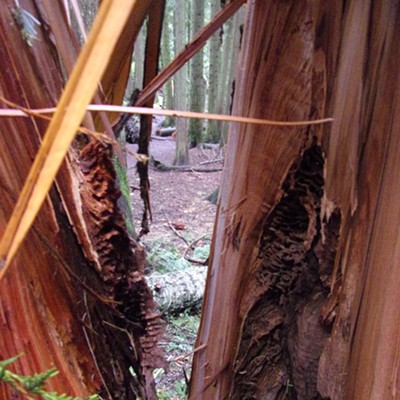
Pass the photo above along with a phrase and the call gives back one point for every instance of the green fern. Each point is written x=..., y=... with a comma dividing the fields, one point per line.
x=30, y=386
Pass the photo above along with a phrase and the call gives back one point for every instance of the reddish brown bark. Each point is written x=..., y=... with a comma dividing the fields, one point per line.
x=75, y=297
x=300, y=300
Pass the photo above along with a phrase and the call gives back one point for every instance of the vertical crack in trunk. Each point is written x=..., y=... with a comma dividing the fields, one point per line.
x=126, y=333
x=282, y=333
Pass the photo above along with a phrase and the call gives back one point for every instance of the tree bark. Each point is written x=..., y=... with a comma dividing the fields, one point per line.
x=88, y=9
x=138, y=57
x=212, y=132
x=300, y=298
x=197, y=82
x=75, y=297
x=180, y=83
x=167, y=53
x=230, y=54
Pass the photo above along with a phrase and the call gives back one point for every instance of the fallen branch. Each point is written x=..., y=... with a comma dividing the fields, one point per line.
x=183, y=356
x=175, y=231
x=165, y=132
x=169, y=113
x=212, y=161
x=191, y=246
x=165, y=167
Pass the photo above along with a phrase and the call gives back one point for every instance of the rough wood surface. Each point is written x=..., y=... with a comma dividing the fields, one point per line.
x=276, y=79
x=361, y=359
x=301, y=294
x=75, y=297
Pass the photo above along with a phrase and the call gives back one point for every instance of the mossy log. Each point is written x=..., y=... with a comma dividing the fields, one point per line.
x=180, y=290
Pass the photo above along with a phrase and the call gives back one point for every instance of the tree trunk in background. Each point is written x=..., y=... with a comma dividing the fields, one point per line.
x=213, y=134
x=302, y=292
x=167, y=46
x=75, y=296
x=228, y=65
x=88, y=10
x=180, y=84
x=138, y=58
x=197, y=81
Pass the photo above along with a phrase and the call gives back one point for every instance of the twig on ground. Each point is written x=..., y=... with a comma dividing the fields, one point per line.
x=164, y=167
x=183, y=356
x=211, y=161
x=203, y=152
x=175, y=231
x=190, y=246
x=221, y=152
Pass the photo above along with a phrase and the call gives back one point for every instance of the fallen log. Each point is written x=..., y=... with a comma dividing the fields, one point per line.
x=165, y=167
x=177, y=291
x=165, y=131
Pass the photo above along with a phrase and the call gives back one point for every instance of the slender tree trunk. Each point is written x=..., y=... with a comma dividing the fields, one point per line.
x=138, y=57
x=229, y=62
x=180, y=83
x=197, y=81
x=302, y=291
x=88, y=9
x=213, y=134
x=166, y=57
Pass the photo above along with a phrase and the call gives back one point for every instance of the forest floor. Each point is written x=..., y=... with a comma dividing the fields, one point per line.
x=181, y=215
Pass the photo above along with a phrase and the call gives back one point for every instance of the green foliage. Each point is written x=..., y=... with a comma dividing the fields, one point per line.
x=175, y=391
x=30, y=386
x=164, y=258
x=178, y=392
x=202, y=252
x=184, y=332
x=125, y=201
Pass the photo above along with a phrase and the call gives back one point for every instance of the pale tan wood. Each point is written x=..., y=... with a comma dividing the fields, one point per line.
x=171, y=113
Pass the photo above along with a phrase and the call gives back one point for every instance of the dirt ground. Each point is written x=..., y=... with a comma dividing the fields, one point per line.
x=177, y=198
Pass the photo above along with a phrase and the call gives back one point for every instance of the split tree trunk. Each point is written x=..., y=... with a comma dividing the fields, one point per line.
x=75, y=296
x=301, y=299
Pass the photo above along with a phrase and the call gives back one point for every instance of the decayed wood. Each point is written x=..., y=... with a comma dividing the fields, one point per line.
x=39, y=305
x=75, y=297
x=239, y=302
x=301, y=295
x=166, y=167
x=62, y=129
